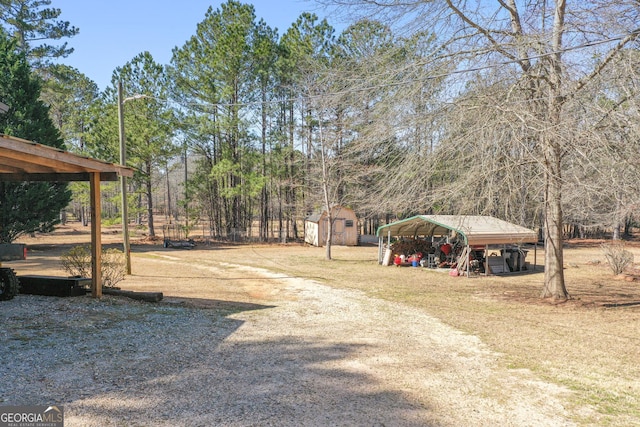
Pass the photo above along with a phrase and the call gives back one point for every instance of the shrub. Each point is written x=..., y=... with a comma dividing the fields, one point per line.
x=617, y=256
x=113, y=267
x=77, y=262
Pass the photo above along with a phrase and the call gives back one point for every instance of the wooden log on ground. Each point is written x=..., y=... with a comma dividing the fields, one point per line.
x=143, y=296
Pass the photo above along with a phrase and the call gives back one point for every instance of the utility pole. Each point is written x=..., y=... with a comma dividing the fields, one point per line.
x=123, y=182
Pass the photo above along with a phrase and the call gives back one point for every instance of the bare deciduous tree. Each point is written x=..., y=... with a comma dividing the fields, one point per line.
x=550, y=53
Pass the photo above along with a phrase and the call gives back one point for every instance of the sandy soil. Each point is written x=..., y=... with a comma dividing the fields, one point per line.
x=271, y=350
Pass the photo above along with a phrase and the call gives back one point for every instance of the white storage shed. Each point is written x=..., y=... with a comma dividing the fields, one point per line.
x=345, y=227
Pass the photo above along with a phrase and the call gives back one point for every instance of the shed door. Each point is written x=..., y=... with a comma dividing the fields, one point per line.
x=339, y=234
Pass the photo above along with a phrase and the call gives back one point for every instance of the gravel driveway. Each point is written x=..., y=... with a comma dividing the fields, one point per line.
x=310, y=355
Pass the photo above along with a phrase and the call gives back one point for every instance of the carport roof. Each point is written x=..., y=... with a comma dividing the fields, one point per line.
x=473, y=229
x=22, y=160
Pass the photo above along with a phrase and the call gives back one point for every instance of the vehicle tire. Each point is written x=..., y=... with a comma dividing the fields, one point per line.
x=9, y=285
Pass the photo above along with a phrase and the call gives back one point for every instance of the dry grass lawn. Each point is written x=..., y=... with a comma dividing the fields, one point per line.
x=590, y=344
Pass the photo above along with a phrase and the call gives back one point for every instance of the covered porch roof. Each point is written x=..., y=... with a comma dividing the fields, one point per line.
x=22, y=160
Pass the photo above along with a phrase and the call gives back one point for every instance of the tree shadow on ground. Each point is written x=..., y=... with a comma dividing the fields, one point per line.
x=283, y=382
x=173, y=364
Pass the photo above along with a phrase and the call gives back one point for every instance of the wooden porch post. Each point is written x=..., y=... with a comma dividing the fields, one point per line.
x=96, y=236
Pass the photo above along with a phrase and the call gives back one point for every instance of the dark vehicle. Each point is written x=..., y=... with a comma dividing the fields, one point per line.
x=9, y=285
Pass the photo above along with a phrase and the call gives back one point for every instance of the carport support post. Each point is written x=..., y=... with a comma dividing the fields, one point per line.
x=468, y=260
x=388, y=243
x=96, y=235
x=486, y=260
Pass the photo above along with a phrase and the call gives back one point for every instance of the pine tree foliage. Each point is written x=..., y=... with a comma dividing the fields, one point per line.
x=70, y=96
x=148, y=123
x=212, y=74
x=26, y=207
x=30, y=22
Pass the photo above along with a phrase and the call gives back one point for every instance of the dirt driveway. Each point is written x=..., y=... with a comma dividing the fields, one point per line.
x=239, y=346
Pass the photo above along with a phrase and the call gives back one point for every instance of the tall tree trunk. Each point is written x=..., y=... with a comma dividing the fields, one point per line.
x=617, y=217
x=83, y=213
x=186, y=191
x=326, y=191
x=140, y=205
x=290, y=194
x=166, y=168
x=327, y=246
x=149, y=188
x=554, y=285
x=264, y=211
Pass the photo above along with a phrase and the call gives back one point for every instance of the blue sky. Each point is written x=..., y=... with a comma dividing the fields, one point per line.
x=112, y=32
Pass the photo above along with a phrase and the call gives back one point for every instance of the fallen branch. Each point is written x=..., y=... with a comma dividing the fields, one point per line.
x=143, y=296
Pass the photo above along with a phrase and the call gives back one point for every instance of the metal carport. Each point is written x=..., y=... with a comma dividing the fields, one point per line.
x=474, y=230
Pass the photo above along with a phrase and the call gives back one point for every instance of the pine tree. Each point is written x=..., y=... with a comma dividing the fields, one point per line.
x=147, y=122
x=26, y=207
x=30, y=22
x=214, y=70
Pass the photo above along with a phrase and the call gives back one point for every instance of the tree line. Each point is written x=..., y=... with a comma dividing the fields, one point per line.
x=524, y=111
